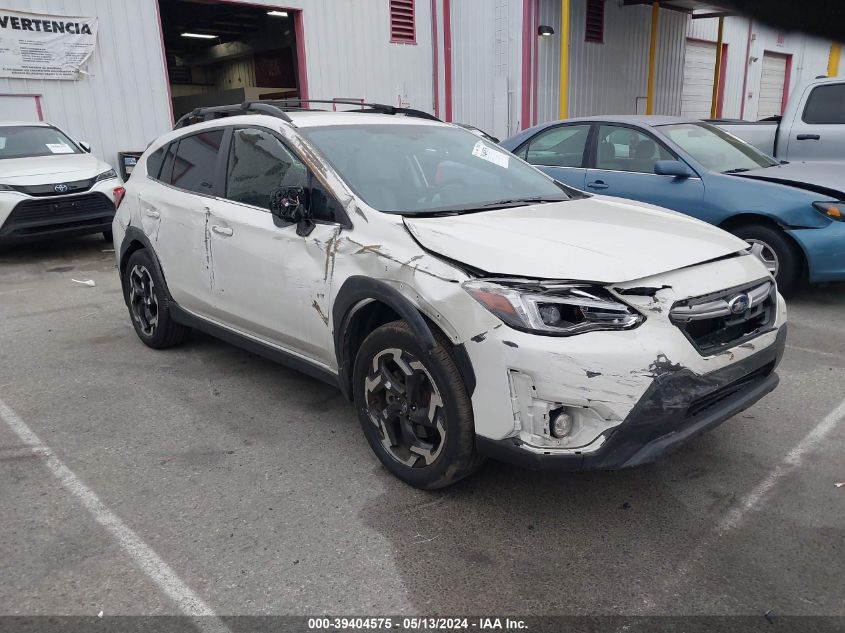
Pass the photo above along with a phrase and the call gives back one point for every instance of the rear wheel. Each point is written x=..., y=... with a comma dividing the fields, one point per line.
x=778, y=254
x=149, y=307
x=414, y=408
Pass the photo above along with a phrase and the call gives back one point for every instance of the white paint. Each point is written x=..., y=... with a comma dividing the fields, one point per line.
x=771, y=85
x=636, y=241
x=150, y=563
x=697, y=94
x=793, y=460
x=19, y=107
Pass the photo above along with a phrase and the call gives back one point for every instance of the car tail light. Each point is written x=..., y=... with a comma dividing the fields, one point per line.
x=118, y=193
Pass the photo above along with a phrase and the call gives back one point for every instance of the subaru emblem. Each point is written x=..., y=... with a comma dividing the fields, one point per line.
x=61, y=188
x=739, y=304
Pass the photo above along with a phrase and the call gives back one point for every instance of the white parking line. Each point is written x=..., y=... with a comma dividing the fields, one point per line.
x=150, y=563
x=792, y=461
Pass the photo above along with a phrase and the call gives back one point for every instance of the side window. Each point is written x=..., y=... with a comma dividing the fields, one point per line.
x=825, y=105
x=626, y=149
x=259, y=164
x=196, y=162
x=561, y=146
x=154, y=162
x=167, y=164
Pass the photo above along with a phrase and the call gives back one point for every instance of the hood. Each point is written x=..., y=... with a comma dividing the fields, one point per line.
x=43, y=170
x=600, y=239
x=822, y=177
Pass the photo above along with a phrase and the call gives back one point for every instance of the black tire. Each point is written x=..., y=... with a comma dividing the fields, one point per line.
x=455, y=457
x=789, y=260
x=150, y=304
x=107, y=236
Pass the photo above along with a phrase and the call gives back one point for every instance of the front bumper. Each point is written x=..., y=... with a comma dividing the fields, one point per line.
x=677, y=407
x=27, y=218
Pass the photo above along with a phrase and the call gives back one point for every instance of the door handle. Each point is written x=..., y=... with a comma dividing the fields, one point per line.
x=598, y=184
x=153, y=214
x=222, y=230
x=808, y=137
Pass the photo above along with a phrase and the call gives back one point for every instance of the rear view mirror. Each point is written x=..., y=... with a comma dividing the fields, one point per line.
x=289, y=205
x=672, y=168
x=86, y=147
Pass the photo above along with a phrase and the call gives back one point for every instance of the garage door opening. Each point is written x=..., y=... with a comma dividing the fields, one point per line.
x=220, y=53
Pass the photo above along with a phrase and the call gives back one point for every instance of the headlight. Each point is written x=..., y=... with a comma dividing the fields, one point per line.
x=5, y=188
x=553, y=308
x=833, y=210
x=107, y=175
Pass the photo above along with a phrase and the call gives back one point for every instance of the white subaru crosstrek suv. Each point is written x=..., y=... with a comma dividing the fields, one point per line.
x=52, y=186
x=467, y=304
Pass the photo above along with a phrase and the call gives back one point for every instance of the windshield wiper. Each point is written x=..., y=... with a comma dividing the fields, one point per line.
x=738, y=170
x=520, y=201
x=483, y=206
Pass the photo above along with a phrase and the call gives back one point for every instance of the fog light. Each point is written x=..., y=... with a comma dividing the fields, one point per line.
x=561, y=424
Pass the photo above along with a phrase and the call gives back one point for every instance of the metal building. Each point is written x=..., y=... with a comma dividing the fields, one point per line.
x=495, y=64
x=374, y=49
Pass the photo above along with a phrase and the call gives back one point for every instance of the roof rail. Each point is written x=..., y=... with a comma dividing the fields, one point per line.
x=379, y=108
x=219, y=112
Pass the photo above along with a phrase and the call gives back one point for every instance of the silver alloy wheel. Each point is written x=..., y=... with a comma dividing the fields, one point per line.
x=766, y=254
x=143, y=300
x=406, y=407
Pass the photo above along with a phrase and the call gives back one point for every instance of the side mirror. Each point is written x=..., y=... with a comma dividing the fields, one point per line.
x=672, y=168
x=289, y=205
x=86, y=147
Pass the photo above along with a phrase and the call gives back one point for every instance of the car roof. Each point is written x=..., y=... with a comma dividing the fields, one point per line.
x=314, y=118
x=24, y=124
x=639, y=119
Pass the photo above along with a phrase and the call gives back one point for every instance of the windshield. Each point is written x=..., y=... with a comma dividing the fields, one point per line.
x=32, y=140
x=716, y=149
x=416, y=169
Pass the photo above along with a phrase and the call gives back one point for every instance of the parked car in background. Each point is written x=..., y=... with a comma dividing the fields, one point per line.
x=792, y=216
x=51, y=185
x=462, y=299
x=812, y=127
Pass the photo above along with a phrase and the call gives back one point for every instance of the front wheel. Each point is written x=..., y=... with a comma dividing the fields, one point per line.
x=414, y=408
x=780, y=256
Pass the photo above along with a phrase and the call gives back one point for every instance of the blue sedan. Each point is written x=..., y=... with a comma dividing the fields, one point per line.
x=792, y=215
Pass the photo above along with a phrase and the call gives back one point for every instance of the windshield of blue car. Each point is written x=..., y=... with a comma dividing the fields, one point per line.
x=26, y=141
x=716, y=149
x=414, y=169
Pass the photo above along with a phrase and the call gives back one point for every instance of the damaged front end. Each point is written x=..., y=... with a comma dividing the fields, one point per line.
x=613, y=376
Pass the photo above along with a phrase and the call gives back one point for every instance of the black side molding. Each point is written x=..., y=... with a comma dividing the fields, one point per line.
x=271, y=353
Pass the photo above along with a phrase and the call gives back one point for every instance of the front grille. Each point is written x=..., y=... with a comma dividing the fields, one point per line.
x=717, y=321
x=32, y=217
x=702, y=404
x=40, y=191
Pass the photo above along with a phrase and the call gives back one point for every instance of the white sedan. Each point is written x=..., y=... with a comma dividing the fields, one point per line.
x=52, y=186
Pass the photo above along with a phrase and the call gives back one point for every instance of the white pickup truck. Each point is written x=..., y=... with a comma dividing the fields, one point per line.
x=812, y=127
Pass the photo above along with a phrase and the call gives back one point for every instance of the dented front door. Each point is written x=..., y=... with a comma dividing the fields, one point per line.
x=270, y=282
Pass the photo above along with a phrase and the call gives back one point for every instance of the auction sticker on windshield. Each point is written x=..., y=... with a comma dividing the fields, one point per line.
x=59, y=148
x=490, y=155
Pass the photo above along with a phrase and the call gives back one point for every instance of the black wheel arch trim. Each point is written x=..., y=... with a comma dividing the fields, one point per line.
x=358, y=289
x=134, y=234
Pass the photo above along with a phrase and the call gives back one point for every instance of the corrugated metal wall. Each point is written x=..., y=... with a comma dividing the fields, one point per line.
x=611, y=78
x=809, y=59
x=486, y=58
x=122, y=104
x=548, y=82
